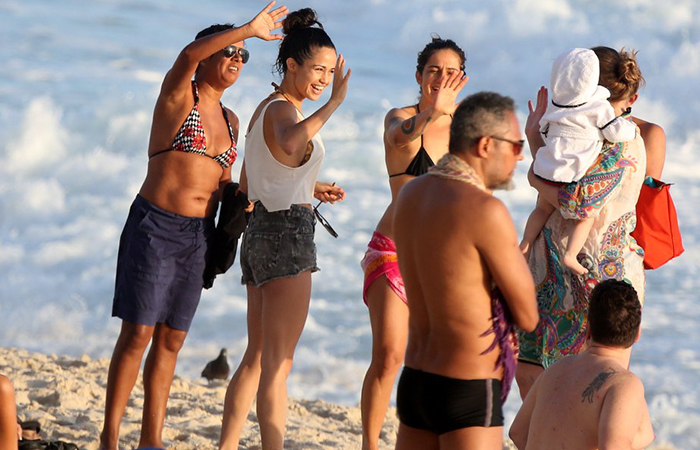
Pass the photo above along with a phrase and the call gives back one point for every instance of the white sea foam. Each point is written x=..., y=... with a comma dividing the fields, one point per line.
x=41, y=141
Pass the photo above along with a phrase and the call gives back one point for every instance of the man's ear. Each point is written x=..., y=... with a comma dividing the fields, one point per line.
x=483, y=146
x=639, y=331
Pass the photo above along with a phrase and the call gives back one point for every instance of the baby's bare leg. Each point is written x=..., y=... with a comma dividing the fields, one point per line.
x=576, y=240
x=548, y=192
x=547, y=202
x=535, y=223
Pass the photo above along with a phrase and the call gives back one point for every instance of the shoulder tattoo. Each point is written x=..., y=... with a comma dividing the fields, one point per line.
x=409, y=125
x=595, y=385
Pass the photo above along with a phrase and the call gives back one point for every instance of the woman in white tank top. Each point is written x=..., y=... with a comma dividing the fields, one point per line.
x=283, y=156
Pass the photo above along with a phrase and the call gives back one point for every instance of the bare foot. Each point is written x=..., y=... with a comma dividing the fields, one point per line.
x=572, y=263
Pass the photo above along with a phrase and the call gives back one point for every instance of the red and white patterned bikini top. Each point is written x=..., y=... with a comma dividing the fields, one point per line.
x=191, y=139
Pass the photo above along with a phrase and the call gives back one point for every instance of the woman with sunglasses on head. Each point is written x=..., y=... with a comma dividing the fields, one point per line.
x=283, y=156
x=163, y=246
x=414, y=137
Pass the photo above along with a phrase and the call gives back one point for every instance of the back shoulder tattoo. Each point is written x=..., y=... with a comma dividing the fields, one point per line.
x=596, y=384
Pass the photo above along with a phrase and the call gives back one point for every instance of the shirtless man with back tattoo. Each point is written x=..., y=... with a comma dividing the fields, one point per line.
x=591, y=400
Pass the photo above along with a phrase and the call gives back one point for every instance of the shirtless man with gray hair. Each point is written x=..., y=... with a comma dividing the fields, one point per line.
x=455, y=243
x=591, y=400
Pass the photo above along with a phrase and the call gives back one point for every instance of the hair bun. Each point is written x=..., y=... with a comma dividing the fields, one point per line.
x=629, y=70
x=619, y=72
x=303, y=18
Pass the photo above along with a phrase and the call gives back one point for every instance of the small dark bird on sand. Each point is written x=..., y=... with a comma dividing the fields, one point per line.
x=217, y=369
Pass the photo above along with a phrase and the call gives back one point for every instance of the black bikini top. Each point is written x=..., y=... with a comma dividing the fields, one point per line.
x=420, y=163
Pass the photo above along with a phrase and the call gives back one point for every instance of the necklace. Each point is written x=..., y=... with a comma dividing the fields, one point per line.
x=278, y=90
x=455, y=168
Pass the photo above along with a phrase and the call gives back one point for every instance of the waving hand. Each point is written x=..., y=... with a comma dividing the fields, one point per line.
x=532, y=126
x=340, y=81
x=446, y=98
x=268, y=20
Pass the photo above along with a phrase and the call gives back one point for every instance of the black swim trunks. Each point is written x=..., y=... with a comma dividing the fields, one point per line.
x=440, y=404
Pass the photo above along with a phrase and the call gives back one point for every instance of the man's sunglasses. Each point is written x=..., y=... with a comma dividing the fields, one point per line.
x=324, y=222
x=232, y=50
x=517, y=145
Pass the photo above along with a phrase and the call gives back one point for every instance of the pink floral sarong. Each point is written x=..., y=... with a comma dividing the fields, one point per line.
x=380, y=259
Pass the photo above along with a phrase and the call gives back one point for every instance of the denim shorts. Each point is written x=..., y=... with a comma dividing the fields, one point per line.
x=278, y=244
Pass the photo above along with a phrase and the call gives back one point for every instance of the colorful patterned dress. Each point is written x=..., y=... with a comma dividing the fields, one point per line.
x=608, y=193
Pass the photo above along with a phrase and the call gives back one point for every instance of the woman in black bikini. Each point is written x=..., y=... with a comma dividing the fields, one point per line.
x=162, y=248
x=414, y=137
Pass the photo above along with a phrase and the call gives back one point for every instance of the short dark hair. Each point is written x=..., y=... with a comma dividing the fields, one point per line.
x=478, y=115
x=438, y=43
x=614, y=314
x=213, y=29
x=301, y=38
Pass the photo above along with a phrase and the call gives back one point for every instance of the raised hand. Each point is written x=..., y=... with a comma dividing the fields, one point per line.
x=446, y=98
x=532, y=125
x=266, y=21
x=340, y=81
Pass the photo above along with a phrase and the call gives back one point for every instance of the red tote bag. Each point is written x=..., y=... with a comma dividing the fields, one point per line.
x=657, y=229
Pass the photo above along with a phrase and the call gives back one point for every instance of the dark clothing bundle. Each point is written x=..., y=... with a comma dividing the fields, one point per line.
x=230, y=225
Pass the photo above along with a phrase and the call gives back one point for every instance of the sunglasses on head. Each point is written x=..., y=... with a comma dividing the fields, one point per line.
x=517, y=145
x=232, y=50
x=322, y=220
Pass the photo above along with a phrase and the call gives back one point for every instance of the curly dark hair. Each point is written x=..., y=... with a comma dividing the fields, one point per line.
x=302, y=34
x=437, y=43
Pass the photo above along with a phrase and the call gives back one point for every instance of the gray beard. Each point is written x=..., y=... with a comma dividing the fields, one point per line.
x=507, y=185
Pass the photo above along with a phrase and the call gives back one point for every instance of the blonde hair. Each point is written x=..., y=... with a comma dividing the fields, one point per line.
x=619, y=72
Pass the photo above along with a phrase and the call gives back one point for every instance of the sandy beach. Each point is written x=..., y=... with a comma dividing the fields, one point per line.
x=66, y=395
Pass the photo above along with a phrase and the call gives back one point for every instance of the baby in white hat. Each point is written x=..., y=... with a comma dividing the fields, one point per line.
x=575, y=125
